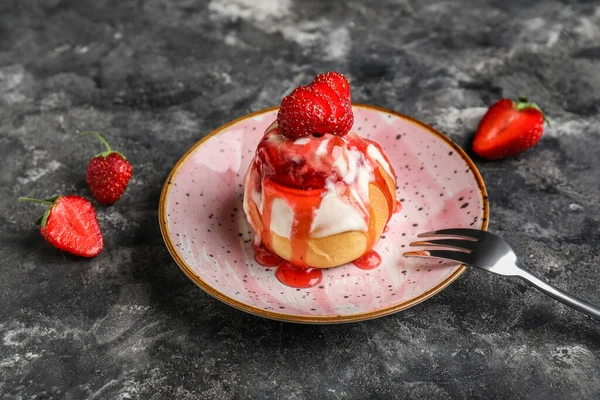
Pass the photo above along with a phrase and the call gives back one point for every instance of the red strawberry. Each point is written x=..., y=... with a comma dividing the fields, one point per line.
x=507, y=129
x=108, y=174
x=336, y=81
x=70, y=225
x=324, y=106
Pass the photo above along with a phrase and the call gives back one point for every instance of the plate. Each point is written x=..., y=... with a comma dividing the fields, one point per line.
x=205, y=229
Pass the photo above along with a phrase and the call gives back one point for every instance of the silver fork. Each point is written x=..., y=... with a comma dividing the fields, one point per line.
x=491, y=253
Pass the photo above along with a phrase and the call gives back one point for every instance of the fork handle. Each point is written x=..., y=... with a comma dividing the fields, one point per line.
x=559, y=295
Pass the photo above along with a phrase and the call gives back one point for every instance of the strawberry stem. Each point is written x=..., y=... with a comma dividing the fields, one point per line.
x=36, y=200
x=48, y=201
x=524, y=103
x=108, y=149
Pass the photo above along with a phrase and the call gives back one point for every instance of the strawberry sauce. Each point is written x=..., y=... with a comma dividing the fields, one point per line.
x=265, y=257
x=297, y=277
x=398, y=207
x=299, y=174
x=370, y=260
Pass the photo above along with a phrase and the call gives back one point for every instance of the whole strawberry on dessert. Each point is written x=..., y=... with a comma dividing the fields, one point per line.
x=509, y=128
x=70, y=225
x=108, y=173
x=322, y=107
x=317, y=194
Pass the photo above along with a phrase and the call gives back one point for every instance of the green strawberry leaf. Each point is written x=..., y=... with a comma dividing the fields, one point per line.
x=44, y=220
x=524, y=103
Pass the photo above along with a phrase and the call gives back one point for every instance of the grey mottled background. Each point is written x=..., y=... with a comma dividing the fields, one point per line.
x=156, y=75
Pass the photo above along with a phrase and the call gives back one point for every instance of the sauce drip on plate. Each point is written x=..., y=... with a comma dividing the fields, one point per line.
x=300, y=278
x=370, y=260
x=265, y=257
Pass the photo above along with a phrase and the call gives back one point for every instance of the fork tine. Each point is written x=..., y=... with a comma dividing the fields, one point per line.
x=456, y=256
x=463, y=233
x=459, y=244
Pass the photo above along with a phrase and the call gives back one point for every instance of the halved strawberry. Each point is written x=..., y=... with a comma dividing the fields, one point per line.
x=70, y=225
x=508, y=128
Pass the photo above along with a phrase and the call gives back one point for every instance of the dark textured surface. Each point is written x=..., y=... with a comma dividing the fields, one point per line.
x=154, y=76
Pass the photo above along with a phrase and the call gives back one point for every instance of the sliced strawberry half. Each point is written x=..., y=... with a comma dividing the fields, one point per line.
x=70, y=225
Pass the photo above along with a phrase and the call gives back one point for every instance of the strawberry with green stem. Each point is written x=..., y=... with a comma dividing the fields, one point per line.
x=509, y=128
x=69, y=224
x=108, y=173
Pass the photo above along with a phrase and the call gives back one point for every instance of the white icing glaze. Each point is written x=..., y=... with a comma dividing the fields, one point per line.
x=376, y=155
x=348, y=165
x=336, y=216
x=322, y=149
x=258, y=200
x=302, y=141
x=282, y=218
x=360, y=191
x=276, y=138
x=340, y=162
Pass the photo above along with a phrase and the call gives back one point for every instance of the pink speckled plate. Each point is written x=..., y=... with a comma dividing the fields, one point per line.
x=205, y=229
